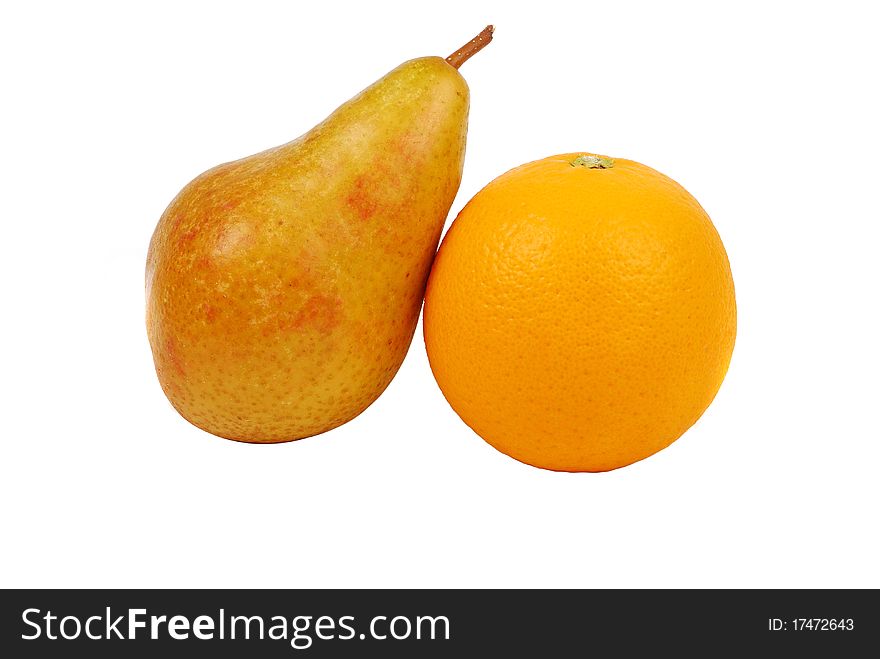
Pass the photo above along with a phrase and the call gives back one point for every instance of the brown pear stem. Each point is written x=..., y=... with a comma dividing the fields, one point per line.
x=472, y=47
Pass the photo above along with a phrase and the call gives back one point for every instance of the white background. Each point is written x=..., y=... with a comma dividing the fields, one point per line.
x=766, y=111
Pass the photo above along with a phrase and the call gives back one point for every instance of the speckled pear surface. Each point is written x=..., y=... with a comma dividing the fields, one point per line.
x=283, y=289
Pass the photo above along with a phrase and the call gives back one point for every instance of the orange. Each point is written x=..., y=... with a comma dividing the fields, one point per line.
x=580, y=314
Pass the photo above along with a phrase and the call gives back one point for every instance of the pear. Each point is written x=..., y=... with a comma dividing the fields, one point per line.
x=283, y=289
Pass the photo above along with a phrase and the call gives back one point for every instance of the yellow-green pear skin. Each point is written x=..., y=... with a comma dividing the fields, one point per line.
x=283, y=289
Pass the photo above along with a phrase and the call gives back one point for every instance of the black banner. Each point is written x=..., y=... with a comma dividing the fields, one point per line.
x=435, y=623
